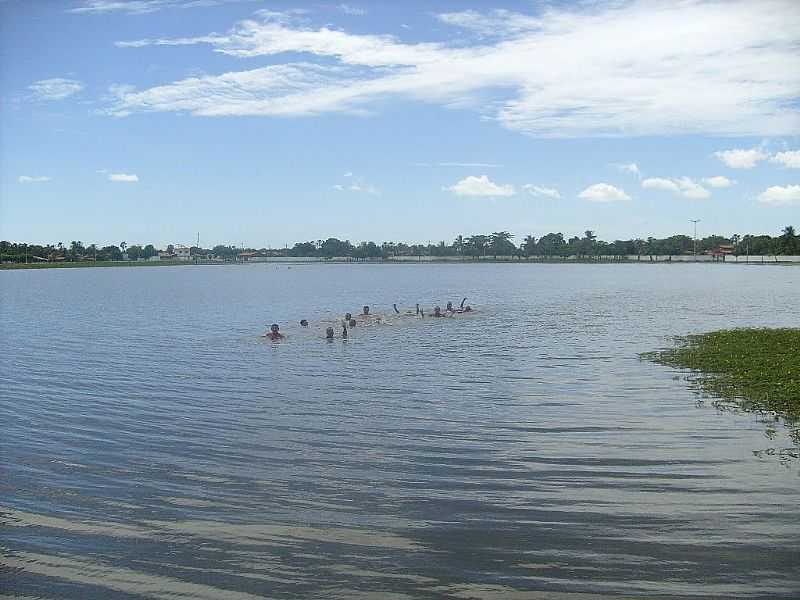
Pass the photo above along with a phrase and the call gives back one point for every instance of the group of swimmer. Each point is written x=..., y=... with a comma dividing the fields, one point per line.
x=348, y=322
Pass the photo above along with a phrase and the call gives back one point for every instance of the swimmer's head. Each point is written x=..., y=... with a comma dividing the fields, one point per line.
x=449, y=306
x=366, y=310
x=352, y=322
x=347, y=316
x=467, y=308
x=329, y=332
x=274, y=328
x=303, y=323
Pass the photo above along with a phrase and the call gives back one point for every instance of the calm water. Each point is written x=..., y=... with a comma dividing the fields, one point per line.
x=154, y=446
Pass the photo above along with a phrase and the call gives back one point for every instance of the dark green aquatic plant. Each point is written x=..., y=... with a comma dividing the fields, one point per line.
x=759, y=369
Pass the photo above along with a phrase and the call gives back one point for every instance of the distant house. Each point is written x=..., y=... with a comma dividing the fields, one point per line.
x=164, y=255
x=248, y=256
x=722, y=250
x=182, y=252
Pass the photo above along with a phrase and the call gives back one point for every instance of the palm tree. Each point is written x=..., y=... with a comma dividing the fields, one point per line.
x=529, y=245
x=458, y=244
x=789, y=240
x=500, y=240
x=479, y=242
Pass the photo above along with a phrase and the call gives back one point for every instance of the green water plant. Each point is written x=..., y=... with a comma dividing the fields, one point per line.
x=758, y=369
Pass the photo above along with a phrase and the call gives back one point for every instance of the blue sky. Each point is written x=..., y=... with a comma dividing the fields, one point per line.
x=265, y=123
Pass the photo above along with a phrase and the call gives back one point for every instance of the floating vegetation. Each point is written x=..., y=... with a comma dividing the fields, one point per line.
x=757, y=369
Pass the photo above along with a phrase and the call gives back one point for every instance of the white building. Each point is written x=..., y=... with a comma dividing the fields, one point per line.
x=183, y=252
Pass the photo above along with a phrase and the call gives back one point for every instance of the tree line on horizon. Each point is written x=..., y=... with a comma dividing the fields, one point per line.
x=498, y=243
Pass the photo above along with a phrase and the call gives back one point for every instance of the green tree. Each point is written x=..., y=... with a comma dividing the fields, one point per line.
x=458, y=244
x=529, y=245
x=789, y=241
x=551, y=244
x=500, y=243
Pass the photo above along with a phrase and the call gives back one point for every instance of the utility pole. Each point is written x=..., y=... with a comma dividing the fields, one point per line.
x=694, y=251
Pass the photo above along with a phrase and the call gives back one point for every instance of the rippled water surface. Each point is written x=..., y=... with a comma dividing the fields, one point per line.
x=153, y=445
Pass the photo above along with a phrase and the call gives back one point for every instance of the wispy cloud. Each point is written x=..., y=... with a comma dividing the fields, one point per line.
x=57, y=88
x=141, y=7
x=719, y=181
x=123, y=178
x=349, y=9
x=363, y=188
x=632, y=168
x=781, y=196
x=646, y=58
x=682, y=185
x=789, y=159
x=603, y=192
x=537, y=190
x=740, y=158
x=32, y=179
x=480, y=186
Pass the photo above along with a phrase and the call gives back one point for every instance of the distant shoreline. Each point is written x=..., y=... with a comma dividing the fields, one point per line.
x=655, y=260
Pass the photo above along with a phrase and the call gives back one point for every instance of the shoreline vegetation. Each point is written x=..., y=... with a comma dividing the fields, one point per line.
x=497, y=246
x=756, y=369
x=632, y=260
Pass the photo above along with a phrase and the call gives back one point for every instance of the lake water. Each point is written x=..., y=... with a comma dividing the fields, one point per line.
x=153, y=445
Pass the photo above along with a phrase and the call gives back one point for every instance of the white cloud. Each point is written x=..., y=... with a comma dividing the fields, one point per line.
x=780, y=196
x=632, y=168
x=348, y=174
x=692, y=189
x=659, y=183
x=789, y=159
x=352, y=10
x=536, y=190
x=497, y=23
x=603, y=192
x=682, y=185
x=359, y=187
x=719, y=181
x=32, y=179
x=742, y=159
x=140, y=7
x=658, y=67
x=123, y=178
x=480, y=186
x=57, y=88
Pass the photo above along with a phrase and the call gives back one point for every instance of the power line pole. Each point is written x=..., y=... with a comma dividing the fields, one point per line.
x=694, y=251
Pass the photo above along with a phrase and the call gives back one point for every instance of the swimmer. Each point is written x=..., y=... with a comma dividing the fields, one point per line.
x=274, y=333
x=437, y=312
x=417, y=307
x=449, y=307
x=468, y=308
x=365, y=311
x=303, y=323
x=344, y=332
x=352, y=323
x=329, y=333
